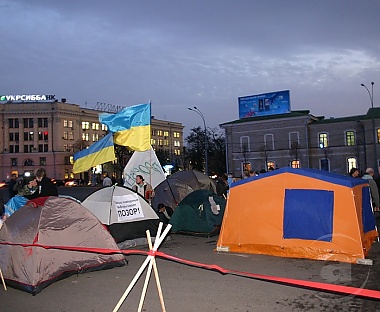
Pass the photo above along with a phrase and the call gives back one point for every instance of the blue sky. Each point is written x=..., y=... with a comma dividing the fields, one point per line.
x=180, y=54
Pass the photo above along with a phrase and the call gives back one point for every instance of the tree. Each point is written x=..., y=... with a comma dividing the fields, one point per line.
x=195, y=150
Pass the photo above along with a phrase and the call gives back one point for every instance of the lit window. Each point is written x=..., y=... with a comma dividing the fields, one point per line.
x=351, y=163
x=104, y=127
x=323, y=142
x=350, y=138
x=166, y=133
x=295, y=164
x=85, y=125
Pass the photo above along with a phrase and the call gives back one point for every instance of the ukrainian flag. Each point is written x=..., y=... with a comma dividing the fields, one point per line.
x=131, y=126
x=98, y=153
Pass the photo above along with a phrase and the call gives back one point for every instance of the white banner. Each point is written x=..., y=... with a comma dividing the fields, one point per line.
x=145, y=164
x=128, y=207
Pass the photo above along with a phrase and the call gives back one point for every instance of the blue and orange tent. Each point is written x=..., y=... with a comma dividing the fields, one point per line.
x=299, y=213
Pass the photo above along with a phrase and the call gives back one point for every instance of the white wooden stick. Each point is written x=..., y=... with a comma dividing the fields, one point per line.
x=133, y=282
x=155, y=270
x=157, y=243
x=2, y=279
x=148, y=273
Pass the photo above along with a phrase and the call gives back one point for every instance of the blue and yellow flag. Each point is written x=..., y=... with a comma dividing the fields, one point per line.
x=131, y=126
x=98, y=153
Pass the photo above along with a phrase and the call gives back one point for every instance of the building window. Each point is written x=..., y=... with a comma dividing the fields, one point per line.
x=293, y=139
x=176, y=134
x=104, y=127
x=65, y=135
x=14, y=136
x=28, y=136
x=350, y=138
x=95, y=126
x=65, y=123
x=246, y=167
x=323, y=140
x=295, y=164
x=42, y=122
x=166, y=133
x=85, y=125
x=95, y=137
x=378, y=135
x=270, y=165
x=28, y=162
x=153, y=132
x=28, y=123
x=177, y=152
x=244, y=144
x=67, y=160
x=269, y=142
x=70, y=124
x=159, y=142
x=14, y=148
x=159, y=132
x=28, y=148
x=85, y=136
x=14, y=162
x=71, y=135
x=152, y=141
x=42, y=161
x=71, y=160
x=351, y=163
x=177, y=143
x=166, y=142
x=13, y=123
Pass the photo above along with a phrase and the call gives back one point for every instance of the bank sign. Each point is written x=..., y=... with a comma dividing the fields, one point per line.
x=27, y=98
x=264, y=104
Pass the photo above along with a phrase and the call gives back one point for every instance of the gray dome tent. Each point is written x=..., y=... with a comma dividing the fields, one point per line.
x=175, y=188
x=57, y=222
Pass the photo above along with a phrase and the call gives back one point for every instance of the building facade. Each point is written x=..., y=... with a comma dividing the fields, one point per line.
x=47, y=134
x=300, y=139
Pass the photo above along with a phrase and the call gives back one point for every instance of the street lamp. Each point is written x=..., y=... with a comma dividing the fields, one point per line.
x=195, y=109
x=373, y=123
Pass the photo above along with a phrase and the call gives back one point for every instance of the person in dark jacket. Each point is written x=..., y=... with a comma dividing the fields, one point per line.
x=45, y=186
x=165, y=213
x=12, y=188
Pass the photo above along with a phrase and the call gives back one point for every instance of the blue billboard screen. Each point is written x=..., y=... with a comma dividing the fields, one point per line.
x=264, y=104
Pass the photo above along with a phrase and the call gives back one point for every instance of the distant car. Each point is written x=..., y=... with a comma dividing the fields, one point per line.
x=71, y=183
x=58, y=182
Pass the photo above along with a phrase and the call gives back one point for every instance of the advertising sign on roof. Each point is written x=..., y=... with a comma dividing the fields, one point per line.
x=264, y=104
x=27, y=97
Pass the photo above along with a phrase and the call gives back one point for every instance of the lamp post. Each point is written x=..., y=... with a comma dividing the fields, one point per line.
x=373, y=123
x=195, y=109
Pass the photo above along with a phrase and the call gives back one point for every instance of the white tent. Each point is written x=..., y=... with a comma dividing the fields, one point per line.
x=127, y=214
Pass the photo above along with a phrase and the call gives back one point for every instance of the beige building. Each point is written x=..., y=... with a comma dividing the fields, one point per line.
x=47, y=134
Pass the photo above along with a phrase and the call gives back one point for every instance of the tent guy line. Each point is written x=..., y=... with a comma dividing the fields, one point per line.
x=324, y=287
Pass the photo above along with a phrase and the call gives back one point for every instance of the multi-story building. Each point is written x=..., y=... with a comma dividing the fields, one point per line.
x=47, y=134
x=300, y=139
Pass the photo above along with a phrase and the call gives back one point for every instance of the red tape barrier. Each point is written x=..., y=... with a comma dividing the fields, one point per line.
x=331, y=288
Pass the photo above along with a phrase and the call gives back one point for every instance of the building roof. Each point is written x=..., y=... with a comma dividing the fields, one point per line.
x=298, y=113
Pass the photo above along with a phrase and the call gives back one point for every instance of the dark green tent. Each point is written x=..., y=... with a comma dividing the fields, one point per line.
x=199, y=213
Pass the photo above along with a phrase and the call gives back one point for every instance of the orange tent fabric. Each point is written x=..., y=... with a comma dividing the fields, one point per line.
x=300, y=213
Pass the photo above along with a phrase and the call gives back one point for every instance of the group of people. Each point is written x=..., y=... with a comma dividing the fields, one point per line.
x=20, y=190
x=374, y=184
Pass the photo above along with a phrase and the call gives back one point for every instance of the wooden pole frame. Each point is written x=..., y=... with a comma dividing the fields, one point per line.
x=152, y=264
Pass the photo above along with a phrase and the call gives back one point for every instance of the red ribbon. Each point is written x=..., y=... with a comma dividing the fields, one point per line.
x=331, y=288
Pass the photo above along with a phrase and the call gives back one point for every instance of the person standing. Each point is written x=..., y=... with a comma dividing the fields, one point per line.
x=12, y=188
x=369, y=173
x=143, y=188
x=107, y=180
x=45, y=186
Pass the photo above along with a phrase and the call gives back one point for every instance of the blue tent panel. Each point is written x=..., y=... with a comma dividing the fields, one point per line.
x=308, y=214
x=369, y=222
